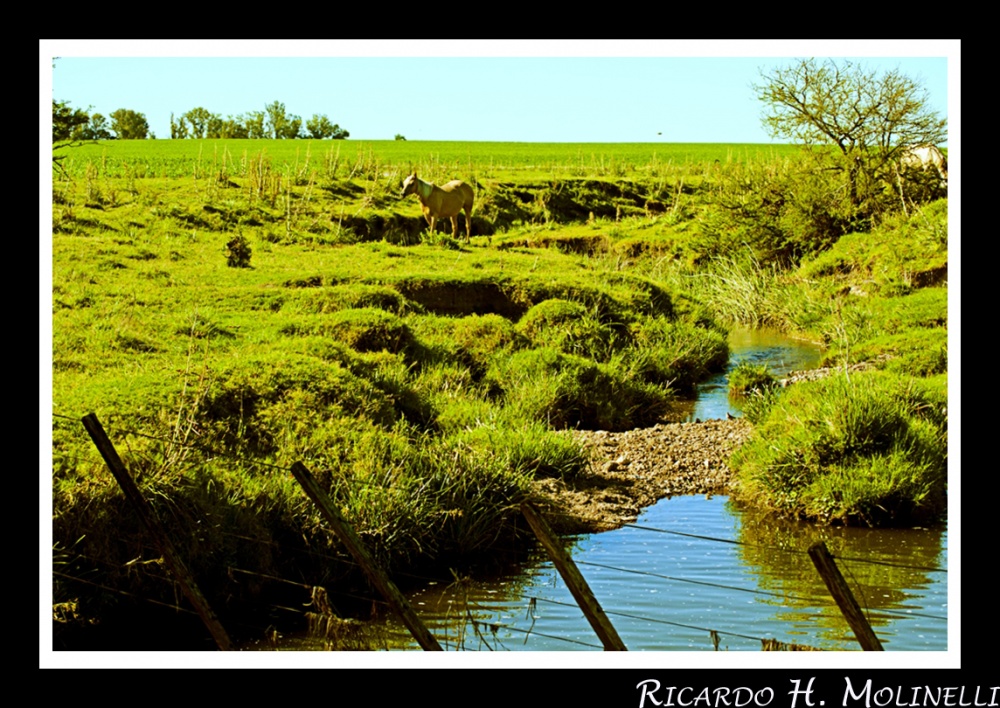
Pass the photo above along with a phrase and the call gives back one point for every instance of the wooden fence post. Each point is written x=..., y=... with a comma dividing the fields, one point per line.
x=574, y=581
x=180, y=572
x=357, y=549
x=841, y=592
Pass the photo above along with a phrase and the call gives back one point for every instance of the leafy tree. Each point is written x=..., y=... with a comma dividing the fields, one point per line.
x=254, y=123
x=867, y=116
x=66, y=121
x=66, y=126
x=280, y=124
x=97, y=128
x=179, y=128
x=214, y=126
x=293, y=128
x=129, y=125
x=400, y=136
x=231, y=128
x=320, y=128
x=199, y=119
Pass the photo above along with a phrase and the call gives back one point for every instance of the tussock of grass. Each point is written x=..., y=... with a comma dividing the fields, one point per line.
x=868, y=448
x=747, y=378
x=569, y=391
x=369, y=329
x=569, y=327
x=351, y=296
x=676, y=353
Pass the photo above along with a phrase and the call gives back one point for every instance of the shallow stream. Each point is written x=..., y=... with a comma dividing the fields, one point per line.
x=699, y=574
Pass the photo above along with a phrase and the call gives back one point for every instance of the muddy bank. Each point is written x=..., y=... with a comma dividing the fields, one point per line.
x=634, y=469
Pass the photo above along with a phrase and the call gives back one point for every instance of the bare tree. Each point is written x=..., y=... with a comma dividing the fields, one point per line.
x=869, y=116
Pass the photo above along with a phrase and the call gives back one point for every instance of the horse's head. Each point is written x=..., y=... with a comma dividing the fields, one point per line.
x=410, y=184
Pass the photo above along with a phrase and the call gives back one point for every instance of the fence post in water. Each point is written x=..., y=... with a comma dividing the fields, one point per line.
x=152, y=524
x=838, y=587
x=574, y=581
x=374, y=573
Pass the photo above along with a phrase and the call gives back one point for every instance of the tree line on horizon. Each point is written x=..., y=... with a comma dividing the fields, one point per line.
x=274, y=122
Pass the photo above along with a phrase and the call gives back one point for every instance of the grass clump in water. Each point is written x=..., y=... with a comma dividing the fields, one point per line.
x=747, y=377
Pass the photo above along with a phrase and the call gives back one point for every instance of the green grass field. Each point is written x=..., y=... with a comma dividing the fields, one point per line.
x=177, y=158
x=227, y=308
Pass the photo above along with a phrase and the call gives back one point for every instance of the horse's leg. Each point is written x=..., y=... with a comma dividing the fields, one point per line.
x=454, y=226
x=468, y=225
x=430, y=222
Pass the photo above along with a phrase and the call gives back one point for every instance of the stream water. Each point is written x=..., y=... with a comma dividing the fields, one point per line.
x=698, y=574
x=690, y=567
x=780, y=353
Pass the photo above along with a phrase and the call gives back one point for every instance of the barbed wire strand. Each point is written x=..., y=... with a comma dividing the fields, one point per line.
x=784, y=549
x=367, y=483
x=227, y=455
x=722, y=586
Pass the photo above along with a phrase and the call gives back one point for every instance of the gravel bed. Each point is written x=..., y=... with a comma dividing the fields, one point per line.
x=634, y=469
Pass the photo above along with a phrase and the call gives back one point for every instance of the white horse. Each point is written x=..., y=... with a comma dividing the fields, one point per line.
x=925, y=157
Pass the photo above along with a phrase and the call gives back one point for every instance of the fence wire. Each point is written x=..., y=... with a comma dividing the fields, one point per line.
x=486, y=631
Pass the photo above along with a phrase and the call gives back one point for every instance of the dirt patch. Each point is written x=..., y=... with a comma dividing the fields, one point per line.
x=579, y=245
x=634, y=469
x=461, y=298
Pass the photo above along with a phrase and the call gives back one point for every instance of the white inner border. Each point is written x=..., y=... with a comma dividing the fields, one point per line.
x=498, y=48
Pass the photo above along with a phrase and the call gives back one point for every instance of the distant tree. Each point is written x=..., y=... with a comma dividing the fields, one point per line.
x=280, y=124
x=232, y=128
x=129, y=125
x=213, y=126
x=199, y=119
x=869, y=117
x=66, y=121
x=97, y=128
x=254, y=122
x=400, y=137
x=293, y=129
x=319, y=127
x=178, y=128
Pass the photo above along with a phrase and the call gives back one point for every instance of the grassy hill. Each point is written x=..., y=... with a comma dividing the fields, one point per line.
x=227, y=308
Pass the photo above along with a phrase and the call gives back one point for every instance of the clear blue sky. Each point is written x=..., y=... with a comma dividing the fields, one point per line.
x=547, y=91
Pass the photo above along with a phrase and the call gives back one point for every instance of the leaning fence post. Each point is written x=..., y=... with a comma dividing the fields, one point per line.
x=357, y=549
x=574, y=581
x=841, y=592
x=188, y=586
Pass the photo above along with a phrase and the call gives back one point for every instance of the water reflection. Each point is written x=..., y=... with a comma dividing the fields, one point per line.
x=782, y=355
x=693, y=571
x=696, y=574
x=897, y=576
